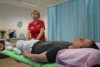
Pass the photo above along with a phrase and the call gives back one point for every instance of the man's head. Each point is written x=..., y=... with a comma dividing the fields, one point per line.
x=84, y=43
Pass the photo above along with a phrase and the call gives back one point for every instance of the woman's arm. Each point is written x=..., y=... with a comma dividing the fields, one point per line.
x=40, y=34
x=28, y=35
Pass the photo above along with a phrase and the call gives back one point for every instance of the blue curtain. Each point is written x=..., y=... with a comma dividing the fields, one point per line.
x=93, y=19
x=74, y=19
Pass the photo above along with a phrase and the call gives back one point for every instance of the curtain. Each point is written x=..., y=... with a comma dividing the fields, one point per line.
x=74, y=19
x=93, y=19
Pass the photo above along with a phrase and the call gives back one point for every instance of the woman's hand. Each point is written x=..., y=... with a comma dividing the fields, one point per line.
x=40, y=34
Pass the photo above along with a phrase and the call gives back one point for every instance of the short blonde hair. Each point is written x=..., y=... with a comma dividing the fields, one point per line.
x=37, y=12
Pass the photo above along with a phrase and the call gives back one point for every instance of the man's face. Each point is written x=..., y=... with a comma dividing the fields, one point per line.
x=82, y=43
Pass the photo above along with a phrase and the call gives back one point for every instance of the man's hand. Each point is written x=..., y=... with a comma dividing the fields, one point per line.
x=36, y=57
x=26, y=53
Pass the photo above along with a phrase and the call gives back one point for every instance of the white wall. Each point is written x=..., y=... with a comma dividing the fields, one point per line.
x=10, y=15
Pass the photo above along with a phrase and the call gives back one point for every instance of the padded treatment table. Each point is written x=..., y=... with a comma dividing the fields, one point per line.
x=25, y=60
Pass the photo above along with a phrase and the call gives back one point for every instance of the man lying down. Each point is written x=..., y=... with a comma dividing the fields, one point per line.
x=46, y=51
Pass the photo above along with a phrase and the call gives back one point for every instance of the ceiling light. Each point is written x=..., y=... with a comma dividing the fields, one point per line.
x=27, y=3
x=30, y=4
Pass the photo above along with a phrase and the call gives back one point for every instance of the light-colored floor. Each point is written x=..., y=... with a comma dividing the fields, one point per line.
x=8, y=62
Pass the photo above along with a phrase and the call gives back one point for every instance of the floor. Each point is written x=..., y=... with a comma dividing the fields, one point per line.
x=8, y=62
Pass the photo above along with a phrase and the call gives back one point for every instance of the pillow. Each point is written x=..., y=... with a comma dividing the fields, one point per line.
x=84, y=57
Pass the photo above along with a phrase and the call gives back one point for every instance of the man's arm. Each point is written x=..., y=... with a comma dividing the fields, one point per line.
x=36, y=57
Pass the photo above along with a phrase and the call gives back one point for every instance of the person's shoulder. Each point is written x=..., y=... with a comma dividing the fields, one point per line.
x=41, y=21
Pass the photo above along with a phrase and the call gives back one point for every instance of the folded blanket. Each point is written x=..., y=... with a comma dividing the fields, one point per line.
x=85, y=57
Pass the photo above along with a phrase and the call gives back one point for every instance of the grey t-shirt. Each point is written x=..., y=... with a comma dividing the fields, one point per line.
x=24, y=45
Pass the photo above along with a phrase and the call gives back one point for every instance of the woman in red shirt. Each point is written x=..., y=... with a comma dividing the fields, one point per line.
x=36, y=27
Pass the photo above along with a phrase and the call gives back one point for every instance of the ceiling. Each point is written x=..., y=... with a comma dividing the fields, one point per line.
x=32, y=4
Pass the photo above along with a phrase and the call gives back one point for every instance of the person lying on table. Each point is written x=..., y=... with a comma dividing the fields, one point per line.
x=46, y=51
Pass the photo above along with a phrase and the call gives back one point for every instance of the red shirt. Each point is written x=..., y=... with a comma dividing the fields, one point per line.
x=35, y=29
